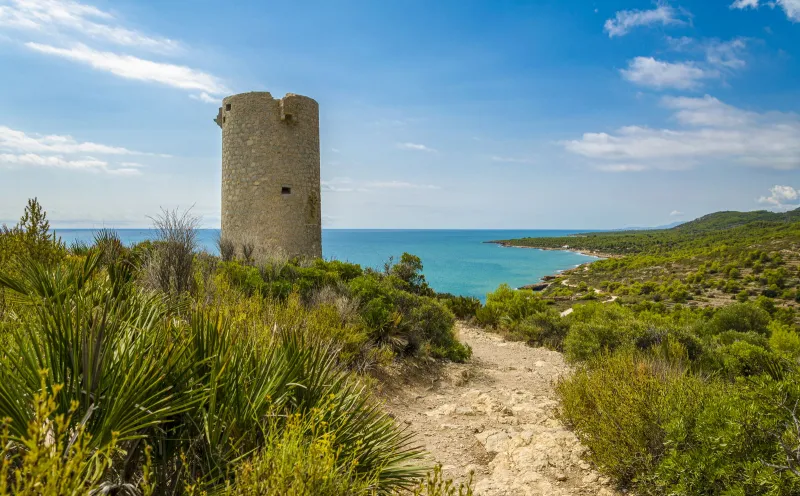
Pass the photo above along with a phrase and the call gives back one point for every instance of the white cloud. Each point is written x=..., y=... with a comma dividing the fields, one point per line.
x=720, y=57
x=339, y=185
x=88, y=35
x=399, y=185
x=32, y=159
x=647, y=71
x=790, y=7
x=621, y=167
x=49, y=17
x=60, y=162
x=782, y=197
x=711, y=132
x=130, y=67
x=626, y=20
x=415, y=146
x=206, y=98
x=708, y=111
x=726, y=54
x=125, y=171
x=675, y=213
x=512, y=160
x=19, y=149
x=19, y=141
x=347, y=185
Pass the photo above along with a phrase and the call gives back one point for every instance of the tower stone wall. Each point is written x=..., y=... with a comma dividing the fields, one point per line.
x=271, y=173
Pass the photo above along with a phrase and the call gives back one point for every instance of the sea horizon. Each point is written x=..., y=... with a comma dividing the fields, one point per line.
x=457, y=261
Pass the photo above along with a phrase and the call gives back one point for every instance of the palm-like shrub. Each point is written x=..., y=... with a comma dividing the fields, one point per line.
x=137, y=370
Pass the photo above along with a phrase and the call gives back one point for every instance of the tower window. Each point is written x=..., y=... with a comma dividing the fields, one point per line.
x=228, y=106
x=286, y=190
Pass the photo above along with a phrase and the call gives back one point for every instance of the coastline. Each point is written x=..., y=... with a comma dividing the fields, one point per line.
x=545, y=281
x=589, y=253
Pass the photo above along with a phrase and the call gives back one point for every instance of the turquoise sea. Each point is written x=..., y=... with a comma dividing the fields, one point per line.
x=455, y=261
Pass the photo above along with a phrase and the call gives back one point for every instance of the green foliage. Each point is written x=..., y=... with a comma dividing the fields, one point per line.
x=408, y=322
x=206, y=385
x=31, y=238
x=618, y=407
x=784, y=340
x=409, y=271
x=463, y=307
x=687, y=385
x=394, y=309
x=300, y=458
x=507, y=305
x=662, y=431
x=52, y=458
x=743, y=359
x=436, y=485
x=739, y=317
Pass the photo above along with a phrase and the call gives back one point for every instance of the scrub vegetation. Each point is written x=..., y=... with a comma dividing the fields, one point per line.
x=686, y=350
x=159, y=369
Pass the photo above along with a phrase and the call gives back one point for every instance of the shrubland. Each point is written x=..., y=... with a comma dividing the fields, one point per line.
x=686, y=352
x=158, y=369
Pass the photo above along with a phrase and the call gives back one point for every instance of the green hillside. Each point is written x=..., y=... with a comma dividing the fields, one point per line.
x=685, y=344
x=729, y=219
x=706, y=262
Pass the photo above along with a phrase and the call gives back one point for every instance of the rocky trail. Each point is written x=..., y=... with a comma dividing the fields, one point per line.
x=495, y=416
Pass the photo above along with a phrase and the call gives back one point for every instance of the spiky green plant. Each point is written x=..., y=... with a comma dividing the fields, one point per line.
x=135, y=370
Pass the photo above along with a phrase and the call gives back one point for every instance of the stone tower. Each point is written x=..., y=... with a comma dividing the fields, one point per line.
x=270, y=173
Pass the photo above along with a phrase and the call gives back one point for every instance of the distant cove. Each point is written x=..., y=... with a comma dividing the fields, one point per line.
x=456, y=261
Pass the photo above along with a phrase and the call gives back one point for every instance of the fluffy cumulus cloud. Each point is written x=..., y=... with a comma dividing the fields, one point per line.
x=624, y=21
x=676, y=213
x=87, y=35
x=708, y=131
x=790, y=7
x=716, y=59
x=782, y=197
x=20, y=149
x=647, y=71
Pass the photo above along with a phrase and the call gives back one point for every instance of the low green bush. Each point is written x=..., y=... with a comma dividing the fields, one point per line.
x=619, y=405
x=784, y=340
x=506, y=305
x=463, y=307
x=660, y=430
x=740, y=317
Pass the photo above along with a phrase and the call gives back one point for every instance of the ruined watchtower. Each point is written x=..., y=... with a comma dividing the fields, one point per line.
x=270, y=173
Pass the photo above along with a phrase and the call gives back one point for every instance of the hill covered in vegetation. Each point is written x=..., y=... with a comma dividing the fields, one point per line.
x=686, y=349
x=705, y=262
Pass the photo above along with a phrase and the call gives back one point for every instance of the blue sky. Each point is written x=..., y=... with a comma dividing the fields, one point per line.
x=445, y=114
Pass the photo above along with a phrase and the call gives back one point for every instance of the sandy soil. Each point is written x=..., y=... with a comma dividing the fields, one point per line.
x=495, y=417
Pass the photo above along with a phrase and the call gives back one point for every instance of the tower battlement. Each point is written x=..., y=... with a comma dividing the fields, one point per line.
x=271, y=173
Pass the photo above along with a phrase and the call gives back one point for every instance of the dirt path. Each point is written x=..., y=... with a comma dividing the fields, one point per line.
x=495, y=416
